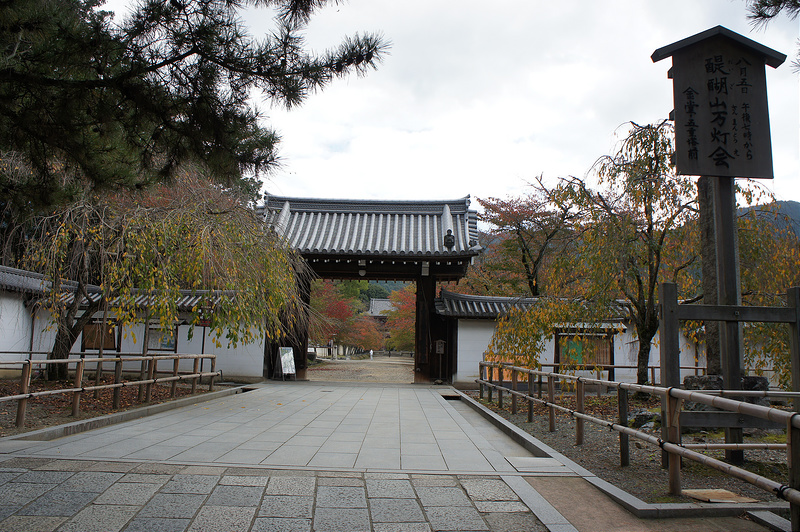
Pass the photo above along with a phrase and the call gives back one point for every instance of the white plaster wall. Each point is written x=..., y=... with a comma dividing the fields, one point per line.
x=44, y=332
x=473, y=339
x=242, y=362
x=15, y=326
x=626, y=350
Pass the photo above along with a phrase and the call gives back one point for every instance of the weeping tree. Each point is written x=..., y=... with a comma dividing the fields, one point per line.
x=630, y=233
x=116, y=251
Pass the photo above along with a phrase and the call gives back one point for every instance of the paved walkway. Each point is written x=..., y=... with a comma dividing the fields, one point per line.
x=294, y=456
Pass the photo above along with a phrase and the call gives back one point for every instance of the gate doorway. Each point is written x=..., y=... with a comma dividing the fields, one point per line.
x=421, y=241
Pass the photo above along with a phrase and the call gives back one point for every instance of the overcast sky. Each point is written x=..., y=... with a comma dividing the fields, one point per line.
x=479, y=97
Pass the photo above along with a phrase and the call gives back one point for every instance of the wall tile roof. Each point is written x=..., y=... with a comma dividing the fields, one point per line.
x=369, y=227
x=380, y=307
x=16, y=280
x=484, y=307
x=491, y=307
x=23, y=281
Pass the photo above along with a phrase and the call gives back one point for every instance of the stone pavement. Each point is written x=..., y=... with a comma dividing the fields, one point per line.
x=286, y=456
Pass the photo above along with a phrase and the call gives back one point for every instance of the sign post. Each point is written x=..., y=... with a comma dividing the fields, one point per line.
x=286, y=362
x=722, y=132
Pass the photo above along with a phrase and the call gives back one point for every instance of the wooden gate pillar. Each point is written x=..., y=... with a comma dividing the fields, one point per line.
x=426, y=292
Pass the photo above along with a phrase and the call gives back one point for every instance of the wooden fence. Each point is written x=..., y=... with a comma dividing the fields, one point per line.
x=148, y=375
x=674, y=398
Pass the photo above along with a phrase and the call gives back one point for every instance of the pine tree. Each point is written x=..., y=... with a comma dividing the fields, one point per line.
x=87, y=102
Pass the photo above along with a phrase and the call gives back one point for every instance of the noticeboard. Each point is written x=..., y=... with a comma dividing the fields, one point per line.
x=720, y=97
x=721, y=118
x=286, y=361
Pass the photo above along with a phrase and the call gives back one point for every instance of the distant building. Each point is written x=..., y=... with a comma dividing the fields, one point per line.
x=379, y=309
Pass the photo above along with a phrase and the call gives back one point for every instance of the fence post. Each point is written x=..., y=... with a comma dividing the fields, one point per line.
x=98, y=375
x=151, y=371
x=117, y=379
x=540, y=386
x=622, y=407
x=793, y=301
x=514, y=387
x=674, y=436
x=142, y=375
x=174, y=386
x=794, y=470
x=213, y=369
x=500, y=387
x=580, y=392
x=530, y=397
x=551, y=395
x=668, y=329
x=490, y=389
x=195, y=370
x=76, y=396
x=24, y=386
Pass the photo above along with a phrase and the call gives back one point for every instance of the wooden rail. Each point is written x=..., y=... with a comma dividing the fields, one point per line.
x=150, y=362
x=674, y=397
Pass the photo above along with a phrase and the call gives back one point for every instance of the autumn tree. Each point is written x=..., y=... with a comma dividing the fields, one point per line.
x=337, y=314
x=365, y=333
x=401, y=320
x=525, y=232
x=332, y=311
x=633, y=234
x=636, y=232
x=86, y=100
x=114, y=251
x=769, y=265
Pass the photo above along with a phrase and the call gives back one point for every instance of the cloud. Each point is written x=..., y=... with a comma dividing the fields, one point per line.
x=476, y=98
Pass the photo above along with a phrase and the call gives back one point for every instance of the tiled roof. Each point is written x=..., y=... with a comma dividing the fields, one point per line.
x=491, y=307
x=16, y=280
x=486, y=307
x=369, y=227
x=380, y=307
x=185, y=302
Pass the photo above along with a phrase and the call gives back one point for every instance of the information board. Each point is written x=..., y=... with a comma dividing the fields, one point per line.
x=286, y=359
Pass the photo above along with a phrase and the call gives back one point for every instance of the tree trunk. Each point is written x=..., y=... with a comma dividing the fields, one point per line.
x=642, y=362
x=643, y=357
x=61, y=348
x=69, y=328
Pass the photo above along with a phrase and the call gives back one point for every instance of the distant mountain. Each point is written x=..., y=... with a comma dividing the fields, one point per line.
x=391, y=286
x=791, y=209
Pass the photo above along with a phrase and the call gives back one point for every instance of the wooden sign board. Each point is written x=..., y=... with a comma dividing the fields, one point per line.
x=286, y=361
x=720, y=96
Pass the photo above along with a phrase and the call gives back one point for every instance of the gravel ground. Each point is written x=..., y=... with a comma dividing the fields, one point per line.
x=395, y=370
x=644, y=477
x=53, y=410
